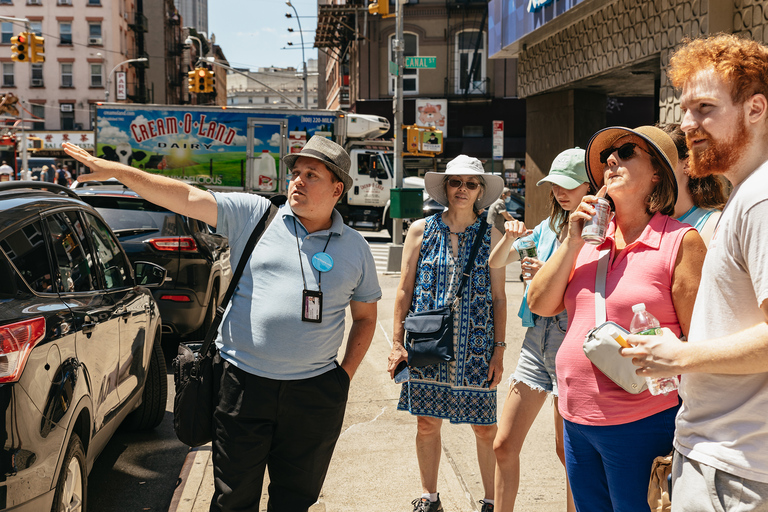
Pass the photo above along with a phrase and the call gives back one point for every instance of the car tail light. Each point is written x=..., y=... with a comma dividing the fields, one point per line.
x=16, y=342
x=176, y=298
x=174, y=243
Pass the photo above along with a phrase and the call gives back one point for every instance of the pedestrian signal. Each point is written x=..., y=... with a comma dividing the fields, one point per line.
x=379, y=7
x=210, y=81
x=36, y=49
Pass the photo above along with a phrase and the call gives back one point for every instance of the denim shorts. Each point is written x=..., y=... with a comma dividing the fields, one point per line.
x=536, y=366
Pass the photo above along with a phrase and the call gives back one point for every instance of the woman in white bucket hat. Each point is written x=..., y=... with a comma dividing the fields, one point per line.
x=461, y=391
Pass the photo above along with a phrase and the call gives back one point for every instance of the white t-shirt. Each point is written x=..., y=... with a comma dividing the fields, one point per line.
x=723, y=422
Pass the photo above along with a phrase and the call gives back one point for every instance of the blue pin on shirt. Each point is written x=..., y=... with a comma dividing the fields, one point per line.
x=322, y=262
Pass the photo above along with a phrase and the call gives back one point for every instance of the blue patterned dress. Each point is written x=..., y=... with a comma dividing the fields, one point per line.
x=458, y=390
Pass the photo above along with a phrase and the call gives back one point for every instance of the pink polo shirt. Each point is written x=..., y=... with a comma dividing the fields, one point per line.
x=641, y=273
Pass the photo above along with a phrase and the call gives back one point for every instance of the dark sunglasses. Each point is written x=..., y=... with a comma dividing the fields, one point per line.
x=625, y=152
x=471, y=185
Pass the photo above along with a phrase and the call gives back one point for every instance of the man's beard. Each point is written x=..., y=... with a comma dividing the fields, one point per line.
x=719, y=156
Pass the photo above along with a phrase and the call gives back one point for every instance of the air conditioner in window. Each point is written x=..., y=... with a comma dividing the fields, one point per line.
x=37, y=82
x=67, y=107
x=94, y=40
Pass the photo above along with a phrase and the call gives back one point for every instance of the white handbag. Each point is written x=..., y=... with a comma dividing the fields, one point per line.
x=602, y=349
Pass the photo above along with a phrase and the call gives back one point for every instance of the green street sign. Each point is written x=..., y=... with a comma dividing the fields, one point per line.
x=393, y=68
x=421, y=62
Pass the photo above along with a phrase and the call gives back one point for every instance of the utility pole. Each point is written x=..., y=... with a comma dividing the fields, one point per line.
x=395, y=253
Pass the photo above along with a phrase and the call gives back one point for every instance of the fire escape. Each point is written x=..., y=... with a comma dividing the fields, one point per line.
x=138, y=23
x=467, y=50
x=335, y=37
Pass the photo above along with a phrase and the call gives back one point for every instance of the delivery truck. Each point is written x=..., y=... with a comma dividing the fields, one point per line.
x=241, y=149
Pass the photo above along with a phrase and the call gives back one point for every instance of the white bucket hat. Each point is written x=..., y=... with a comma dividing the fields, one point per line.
x=464, y=165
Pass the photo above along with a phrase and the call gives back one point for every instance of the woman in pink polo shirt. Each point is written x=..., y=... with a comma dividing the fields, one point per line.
x=611, y=436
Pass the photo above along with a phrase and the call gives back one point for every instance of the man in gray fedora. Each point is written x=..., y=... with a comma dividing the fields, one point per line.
x=282, y=395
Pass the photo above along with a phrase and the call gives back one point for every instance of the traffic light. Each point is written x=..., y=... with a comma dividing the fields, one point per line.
x=379, y=7
x=20, y=48
x=412, y=136
x=192, y=81
x=210, y=81
x=36, y=49
x=200, y=82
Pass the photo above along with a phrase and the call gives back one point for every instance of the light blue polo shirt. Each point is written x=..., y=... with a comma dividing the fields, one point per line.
x=262, y=331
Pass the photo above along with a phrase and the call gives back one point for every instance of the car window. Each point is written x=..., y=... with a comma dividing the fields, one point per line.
x=110, y=258
x=125, y=215
x=25, y=248
x=11, y=284
x=74, y=273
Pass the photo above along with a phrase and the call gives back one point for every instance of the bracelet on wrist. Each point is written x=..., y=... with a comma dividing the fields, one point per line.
x=501, y=344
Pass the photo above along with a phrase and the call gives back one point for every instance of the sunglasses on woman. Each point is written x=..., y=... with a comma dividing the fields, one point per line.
x=625, y=151
x=471, y=185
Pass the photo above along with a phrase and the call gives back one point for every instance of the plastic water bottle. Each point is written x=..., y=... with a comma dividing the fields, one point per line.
x=645, y=323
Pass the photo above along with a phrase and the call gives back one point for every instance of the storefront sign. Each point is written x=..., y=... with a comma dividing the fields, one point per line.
x=53, y=140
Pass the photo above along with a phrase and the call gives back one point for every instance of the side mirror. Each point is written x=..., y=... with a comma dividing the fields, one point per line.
x=149, y=274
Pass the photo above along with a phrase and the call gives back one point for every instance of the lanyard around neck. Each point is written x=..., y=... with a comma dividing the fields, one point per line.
x=301, y=263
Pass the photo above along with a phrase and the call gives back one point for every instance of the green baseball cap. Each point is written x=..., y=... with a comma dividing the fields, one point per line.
x=568, y=169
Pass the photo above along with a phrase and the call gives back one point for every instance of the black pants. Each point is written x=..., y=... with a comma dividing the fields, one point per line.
x=288, y=427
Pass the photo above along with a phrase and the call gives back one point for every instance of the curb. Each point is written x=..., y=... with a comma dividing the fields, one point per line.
x=190, y=479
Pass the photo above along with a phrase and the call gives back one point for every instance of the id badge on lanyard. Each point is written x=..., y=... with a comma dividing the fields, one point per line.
x=312, y=300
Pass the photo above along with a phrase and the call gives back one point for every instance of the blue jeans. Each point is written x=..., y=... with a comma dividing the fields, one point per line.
x=609, y=467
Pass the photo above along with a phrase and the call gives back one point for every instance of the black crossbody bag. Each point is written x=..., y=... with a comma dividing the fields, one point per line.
x=429, y=334
x=195, y=377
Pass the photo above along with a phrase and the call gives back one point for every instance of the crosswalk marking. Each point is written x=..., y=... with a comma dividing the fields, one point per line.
x=380, y=253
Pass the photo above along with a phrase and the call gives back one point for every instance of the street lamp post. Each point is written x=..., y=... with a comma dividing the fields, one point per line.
x=109, y=77
x=303, y=60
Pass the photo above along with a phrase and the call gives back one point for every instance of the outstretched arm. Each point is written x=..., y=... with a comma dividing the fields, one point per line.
x=173, y=194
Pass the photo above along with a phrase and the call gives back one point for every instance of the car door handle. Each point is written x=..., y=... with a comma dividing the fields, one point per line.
x=88, y=329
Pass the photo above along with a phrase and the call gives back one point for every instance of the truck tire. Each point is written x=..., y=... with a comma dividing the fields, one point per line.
x=72, y=487
x=155, y=395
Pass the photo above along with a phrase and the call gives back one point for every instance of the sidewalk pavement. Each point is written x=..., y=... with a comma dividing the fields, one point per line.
x=374, y=465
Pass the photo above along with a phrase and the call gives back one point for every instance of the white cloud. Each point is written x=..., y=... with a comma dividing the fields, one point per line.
x=274, y=141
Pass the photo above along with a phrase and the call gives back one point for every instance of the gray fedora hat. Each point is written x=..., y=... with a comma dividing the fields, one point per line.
x=331, y=154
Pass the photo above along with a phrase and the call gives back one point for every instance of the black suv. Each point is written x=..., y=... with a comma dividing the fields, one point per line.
x=197, y=260
x=80, y=345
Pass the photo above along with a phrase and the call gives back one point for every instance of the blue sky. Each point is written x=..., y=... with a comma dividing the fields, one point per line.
x=252, y=32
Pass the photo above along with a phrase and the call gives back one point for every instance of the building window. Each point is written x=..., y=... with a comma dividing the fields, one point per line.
x=470, y=63
x=67, y=116
x=94, y=2
x=96, y=75
x=410, y=76
x=266, y=99
x=298, y=100
x=6, y=2
x=38, y=111
x=66, y=75
x=65, y=32
x=250, y=100
x=6, y=32
x=37, y=75
x=36, y=27
x=64, y=2
x=34, y=2
x=91, y=116
x=8, y=74
x=94, y=33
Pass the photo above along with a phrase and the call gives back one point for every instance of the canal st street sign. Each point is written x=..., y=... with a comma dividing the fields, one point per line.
x=421, y=62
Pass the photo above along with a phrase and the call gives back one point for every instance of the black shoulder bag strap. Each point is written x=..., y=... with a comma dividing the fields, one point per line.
x=252, y=241
x=471, y=259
